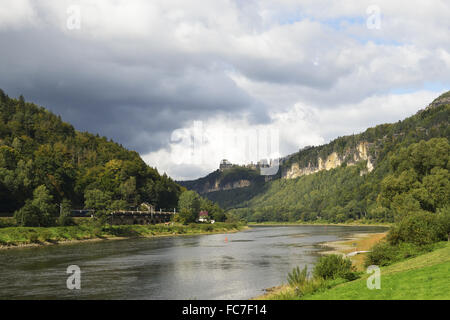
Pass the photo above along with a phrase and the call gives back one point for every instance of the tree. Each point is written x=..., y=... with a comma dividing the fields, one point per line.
x=27, y=216
x=2, y=96
x=97, y=200
x=39, y=212
x=21, y=101
x=42, y=199
x=128, y=191
x=189, y=206
x=64, y=217
x=217, y=213
x=119, y=205
x=213, y=209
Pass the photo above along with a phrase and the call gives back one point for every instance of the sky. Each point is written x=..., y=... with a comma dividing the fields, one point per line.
x=188, y=83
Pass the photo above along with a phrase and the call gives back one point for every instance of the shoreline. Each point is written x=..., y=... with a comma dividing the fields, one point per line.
x=354, y=247
x=278, y=224
x=344, y=246
x=109, y=238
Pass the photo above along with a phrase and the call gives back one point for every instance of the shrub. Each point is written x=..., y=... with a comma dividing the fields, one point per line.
x=310, y=286
x=297, y=277
x=419, y=228
x=334, y=266
x=384, y=253
x=38, y=212
x=28, y=215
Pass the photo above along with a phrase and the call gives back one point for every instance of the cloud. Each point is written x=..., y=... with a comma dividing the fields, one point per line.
x=137, y=71
x=197, y=149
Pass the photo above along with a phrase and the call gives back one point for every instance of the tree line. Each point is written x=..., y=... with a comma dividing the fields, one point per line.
x=410, y=175
x=48, y=167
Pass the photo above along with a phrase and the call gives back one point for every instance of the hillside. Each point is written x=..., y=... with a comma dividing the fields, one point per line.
x=37, y=148
x=222, y=180
x=345, y=179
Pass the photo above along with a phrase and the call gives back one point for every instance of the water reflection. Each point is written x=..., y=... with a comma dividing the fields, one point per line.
x=233, y=266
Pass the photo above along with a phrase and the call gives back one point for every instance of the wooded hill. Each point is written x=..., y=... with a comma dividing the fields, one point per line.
x=38, y=149
x=410, y=172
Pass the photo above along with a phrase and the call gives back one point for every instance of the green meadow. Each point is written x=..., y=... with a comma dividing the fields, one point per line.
x=423, y=277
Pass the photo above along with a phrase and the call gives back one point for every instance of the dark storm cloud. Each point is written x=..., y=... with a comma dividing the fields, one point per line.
x=133, y=94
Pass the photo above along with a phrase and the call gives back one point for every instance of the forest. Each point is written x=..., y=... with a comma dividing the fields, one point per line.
x=410, y=175
x=46, y=163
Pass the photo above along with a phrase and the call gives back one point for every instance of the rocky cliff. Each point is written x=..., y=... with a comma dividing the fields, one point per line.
x=217, y=186
x=221, y=180
x=333, y=160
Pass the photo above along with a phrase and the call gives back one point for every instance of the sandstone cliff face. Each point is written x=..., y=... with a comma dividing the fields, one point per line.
x=333, y=160
x=234, y=185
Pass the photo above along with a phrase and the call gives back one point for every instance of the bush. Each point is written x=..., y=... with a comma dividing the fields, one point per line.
x=384, y=253
x=38, y=212
x=334, y=266
x=297, y=277
x=419, y=228
x=28, y=215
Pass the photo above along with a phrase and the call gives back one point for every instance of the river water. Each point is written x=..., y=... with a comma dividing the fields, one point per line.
x=220, y=266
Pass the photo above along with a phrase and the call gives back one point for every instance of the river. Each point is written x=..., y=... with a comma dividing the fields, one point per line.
x=219, y=266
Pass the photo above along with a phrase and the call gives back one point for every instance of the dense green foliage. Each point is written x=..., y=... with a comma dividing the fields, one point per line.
x=329, y=271
x=411, y=175
x=420, y=229
x=38, y=149
x=37, y=212
x=189, y=205
x=385, y=253
x=413, y=234
x=334, y=266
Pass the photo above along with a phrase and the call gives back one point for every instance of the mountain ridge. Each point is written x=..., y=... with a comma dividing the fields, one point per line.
x=364, y=151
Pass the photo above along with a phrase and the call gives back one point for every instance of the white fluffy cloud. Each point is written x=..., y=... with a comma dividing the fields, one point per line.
x=198, y=148
x=310, y=69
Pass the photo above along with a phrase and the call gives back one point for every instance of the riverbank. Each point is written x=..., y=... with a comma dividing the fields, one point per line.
x=356, y=242
x=356, y=223
x=353, y=246
x=21, y=237
x=424, y=277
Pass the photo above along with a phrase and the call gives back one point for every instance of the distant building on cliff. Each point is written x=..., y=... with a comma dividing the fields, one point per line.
x=225, y=164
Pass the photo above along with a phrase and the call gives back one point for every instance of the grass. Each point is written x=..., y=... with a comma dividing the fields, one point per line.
x=425, y=276
x=422, y=277
x=19, y=236
x=360, y=243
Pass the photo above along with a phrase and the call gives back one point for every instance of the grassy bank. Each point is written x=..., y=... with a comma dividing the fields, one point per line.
x=422, y=277
x=358, y=242
x=22, y=236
